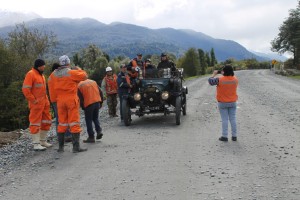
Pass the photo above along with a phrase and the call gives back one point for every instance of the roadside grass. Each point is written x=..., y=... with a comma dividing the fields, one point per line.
x=295, y=77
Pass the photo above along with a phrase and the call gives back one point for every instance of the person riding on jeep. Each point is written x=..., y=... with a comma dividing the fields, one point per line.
x=166, y=63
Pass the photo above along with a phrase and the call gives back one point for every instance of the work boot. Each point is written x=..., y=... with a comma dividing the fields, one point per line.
x=61, y=142
x=68, y=138
x=99, y=135
x=43, y=139
x=36, y=142
x=89, y=140
x=76, y=145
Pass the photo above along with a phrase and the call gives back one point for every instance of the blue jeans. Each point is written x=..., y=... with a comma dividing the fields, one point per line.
x=54, y=106
x=228, y=112
x=91, y=114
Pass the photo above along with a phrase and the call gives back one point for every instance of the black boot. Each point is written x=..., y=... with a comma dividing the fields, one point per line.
x=99, y=135
x=61, y=142
x=76, y=145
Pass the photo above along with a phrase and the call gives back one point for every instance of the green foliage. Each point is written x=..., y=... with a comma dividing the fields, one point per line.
x=288, y=39
x=213, y=60
x=13, y=106
x=190, y=62
x=203, y=62
x=16, y=58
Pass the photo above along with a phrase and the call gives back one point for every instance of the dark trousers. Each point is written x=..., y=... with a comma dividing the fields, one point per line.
x=91, y=114
x=121, y=98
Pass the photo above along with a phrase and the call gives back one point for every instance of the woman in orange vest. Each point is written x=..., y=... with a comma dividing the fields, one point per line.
x=109, y=87
x=34, y=89
x=226, y=97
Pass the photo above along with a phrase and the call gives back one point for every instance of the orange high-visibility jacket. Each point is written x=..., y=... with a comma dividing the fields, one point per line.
x=64, y=81
x=34, y=87
x=89, y=91
x=227, y=89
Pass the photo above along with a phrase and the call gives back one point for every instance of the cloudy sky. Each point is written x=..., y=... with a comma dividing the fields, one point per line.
x=253, y=23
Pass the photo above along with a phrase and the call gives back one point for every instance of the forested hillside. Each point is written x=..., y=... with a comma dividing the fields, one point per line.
x=127, y=39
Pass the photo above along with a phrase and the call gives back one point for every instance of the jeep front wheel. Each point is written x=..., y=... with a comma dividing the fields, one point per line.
x=178, y=110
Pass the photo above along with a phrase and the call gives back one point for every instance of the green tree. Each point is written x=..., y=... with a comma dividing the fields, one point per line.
x=202, y=60
x=90, y=55
x=190, y=62
x=207, y=59
x=16, y=57
x=288, y=37
x=29, y=44
x=213, y=60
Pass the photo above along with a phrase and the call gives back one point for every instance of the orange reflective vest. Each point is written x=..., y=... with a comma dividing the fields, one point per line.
x=227, y=89
x=90, y=92
x=110, y=84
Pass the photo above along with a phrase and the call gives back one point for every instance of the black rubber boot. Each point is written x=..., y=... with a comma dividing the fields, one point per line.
x=76, y=145
x=61, y=142
x=99, y=135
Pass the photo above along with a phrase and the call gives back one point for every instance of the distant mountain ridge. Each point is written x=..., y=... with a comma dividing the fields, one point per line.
x=8, y=18
x=126, y=39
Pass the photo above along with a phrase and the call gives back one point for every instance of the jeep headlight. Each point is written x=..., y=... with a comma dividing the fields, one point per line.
x=165, y=95
x=137, y=97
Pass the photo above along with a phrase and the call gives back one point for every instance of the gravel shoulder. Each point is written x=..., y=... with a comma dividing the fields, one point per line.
x=155, y=159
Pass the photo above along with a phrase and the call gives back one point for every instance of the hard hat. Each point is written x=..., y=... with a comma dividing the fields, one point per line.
x=108, y=69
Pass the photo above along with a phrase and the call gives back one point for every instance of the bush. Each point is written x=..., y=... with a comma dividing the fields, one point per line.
x=14, y=108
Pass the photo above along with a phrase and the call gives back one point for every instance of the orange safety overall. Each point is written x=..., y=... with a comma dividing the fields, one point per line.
x=34, y=90
x=63, y=82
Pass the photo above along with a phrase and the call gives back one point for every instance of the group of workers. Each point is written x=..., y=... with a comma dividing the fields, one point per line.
x=69, y=88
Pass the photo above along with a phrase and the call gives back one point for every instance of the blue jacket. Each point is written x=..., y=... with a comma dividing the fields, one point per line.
x=123, y=87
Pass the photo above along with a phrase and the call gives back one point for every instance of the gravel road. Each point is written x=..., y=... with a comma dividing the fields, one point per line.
x=153, y=159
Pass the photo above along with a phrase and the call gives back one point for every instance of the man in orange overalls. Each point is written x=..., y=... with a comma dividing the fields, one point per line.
x=64, y=82
x=34, y=89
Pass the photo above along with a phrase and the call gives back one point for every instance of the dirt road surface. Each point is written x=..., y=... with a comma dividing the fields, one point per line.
x=154, y=159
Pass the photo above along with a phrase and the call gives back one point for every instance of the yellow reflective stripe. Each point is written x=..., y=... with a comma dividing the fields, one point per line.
x=61, y=124
x=46, y=121
x=74, y=123
x=27, y=86
x=35, y=124
x=38, y=85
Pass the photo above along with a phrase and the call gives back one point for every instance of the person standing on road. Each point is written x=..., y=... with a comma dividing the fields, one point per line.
x=109, y=87
x=65, y=82
x=226, y=97
x=90, y=101
x=52, y=94
x=34, y=90
x=124, y=85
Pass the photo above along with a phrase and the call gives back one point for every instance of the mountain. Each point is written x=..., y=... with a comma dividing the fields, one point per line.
x=127, y=39
x=271, y=56
x=8, y=18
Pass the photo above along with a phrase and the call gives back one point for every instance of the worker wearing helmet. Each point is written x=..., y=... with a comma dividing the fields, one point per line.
x=64, y=82
x=34, y=90
x=109, y=87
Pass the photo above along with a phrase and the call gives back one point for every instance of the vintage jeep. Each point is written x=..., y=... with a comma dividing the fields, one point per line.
x=161, y=93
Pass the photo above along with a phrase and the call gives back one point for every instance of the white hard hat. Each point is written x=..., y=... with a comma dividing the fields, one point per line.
x=108, y=69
